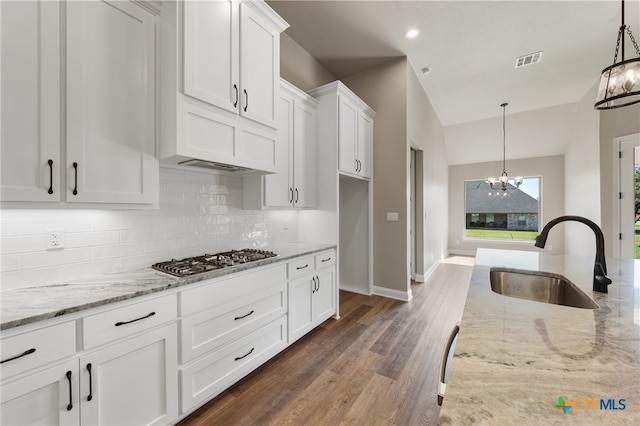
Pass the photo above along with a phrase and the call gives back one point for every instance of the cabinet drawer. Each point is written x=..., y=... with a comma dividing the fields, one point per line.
x=325, y=259
x=300, y=267
x=208, y=330
x=33, y=349
x=122, y=322
x=212, y=374
x=218, y=291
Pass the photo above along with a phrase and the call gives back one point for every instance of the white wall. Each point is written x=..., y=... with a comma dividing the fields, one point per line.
x=199, y=212
x=582, y=176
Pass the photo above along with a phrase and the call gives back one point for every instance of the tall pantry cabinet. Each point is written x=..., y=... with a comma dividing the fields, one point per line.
x=344, y=189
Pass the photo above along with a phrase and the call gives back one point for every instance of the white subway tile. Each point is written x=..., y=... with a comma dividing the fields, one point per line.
x=9, y=262
x=29, y=278
x=54, y=258
x=115, y=251
x=89, y=239
x=22, y=244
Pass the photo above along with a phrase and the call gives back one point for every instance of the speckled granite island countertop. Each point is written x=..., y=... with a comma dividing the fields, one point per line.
x=515, y=358
x=28, y=305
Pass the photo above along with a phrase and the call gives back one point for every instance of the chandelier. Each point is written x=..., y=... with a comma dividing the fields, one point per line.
x=620, y=83
x=503, y=180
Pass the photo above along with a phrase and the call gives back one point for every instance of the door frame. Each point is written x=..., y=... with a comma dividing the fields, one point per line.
x=618, y=221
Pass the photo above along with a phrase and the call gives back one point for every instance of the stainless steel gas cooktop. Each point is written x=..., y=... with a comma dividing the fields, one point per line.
x=210, y=262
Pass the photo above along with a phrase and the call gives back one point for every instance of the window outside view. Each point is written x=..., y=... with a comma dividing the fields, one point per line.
x=637, y=201
x=495, y=214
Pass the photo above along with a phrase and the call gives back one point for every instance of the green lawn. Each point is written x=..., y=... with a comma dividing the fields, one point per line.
x=502, y=234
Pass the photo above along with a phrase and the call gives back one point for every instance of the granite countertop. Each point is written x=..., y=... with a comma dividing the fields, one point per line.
x=28, y=305
x=515, y=358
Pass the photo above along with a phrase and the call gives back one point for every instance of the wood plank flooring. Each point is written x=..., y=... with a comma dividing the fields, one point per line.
x=377, y=365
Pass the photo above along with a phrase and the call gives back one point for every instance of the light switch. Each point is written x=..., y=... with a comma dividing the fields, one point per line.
x=392, y=216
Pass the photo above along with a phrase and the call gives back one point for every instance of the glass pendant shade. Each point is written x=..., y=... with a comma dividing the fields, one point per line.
x=619, y=85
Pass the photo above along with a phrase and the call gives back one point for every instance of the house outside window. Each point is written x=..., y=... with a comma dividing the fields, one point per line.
x=495, y=214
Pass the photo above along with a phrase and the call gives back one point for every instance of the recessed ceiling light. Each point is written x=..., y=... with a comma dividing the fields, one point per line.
x=425, y=70
x=412, y=33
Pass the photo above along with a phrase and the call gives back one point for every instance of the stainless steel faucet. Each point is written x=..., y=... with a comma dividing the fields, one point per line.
x=600, y=279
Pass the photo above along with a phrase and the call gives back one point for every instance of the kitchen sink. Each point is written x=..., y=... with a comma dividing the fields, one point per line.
x=540, y=287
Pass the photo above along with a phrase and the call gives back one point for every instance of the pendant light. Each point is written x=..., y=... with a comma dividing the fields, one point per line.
x=620, y=83
x=503, y=180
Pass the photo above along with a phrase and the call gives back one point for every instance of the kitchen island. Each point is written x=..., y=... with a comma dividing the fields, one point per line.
x=526, y=362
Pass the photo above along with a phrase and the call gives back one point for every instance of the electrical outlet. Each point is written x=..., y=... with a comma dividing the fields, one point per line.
x=55, y=239
x=392, y=216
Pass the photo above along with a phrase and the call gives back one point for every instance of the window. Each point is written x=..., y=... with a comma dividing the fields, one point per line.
x=497, y=215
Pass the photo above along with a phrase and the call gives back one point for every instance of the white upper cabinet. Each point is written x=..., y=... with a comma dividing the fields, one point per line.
x=110, y=103
x=295, y=184
x=220, y=82
x=211, y=55
x=259, y=67
x=30, y=120
x=349, y=123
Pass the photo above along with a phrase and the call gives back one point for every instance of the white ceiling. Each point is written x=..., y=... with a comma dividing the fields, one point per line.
x=470, y=46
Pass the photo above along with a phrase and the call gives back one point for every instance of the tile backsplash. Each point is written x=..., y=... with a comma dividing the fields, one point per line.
x=198, y=213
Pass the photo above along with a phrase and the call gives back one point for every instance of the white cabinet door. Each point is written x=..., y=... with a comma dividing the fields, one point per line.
x=304, y=163
x=259, y=67
x=347, y=135
x=110, y=103
x=365, y=145
x=30, y=58
x=278, y=187
x=134, y=382
x=301, y=318
x=324, y=295
x=49, y=397
x=211, y=52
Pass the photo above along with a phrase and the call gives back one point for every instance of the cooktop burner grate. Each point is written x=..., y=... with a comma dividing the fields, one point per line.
x=210, y=262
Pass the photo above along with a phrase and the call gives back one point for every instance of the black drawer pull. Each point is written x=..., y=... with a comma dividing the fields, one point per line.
x=243, y=316
x=118, y=324
x=75, y=189
x=50, y=163
x=25, y=353
x=326, y=260
x=70, y=406
x=90, y=397
x=313, y=279
x=244, y=356
x=246, y=100
x=302, y=267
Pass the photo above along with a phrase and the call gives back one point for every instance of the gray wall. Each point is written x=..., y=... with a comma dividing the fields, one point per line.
x=299, y=68
x=384, y=89
x=552, y=195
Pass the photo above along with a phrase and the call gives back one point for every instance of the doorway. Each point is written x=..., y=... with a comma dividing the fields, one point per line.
x=416, y=215
x=629, y=199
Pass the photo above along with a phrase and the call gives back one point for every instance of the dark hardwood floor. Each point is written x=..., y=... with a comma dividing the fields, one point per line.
x=377, y=365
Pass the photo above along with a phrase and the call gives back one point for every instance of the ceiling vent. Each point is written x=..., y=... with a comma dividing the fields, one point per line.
x=531, y=58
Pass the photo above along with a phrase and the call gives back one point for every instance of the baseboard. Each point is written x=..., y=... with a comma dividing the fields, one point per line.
x=404, y=296
x=354, y=290
x=463, y=252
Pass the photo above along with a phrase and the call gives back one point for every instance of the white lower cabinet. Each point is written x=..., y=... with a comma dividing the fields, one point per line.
x=48, y=397
x=312, y=297
x=206, y=377
x=132, y=382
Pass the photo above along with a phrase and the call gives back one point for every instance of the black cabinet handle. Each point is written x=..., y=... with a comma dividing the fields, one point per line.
x=25, y=353
x=50, y=163
x=235, y=103
x=75, y=188
x=238, y=358
x=297, y=195
x=326, y=260
x=70, y=406
x=90, y=397
x=243, y=316
x=318, y=283
x=246, y=100
x=313, y=279
x=302, y=267
x=119, y=323
x=291, y=195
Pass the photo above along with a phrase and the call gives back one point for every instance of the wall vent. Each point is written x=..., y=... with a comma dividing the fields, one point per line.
x=531, y=58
